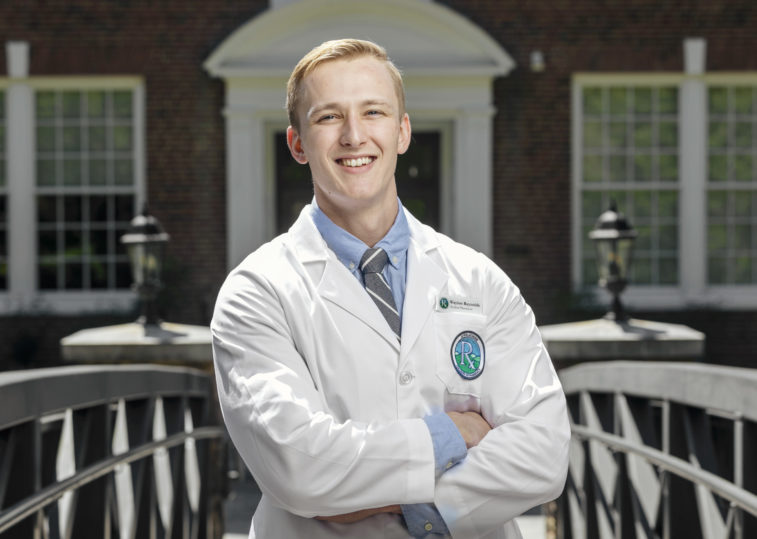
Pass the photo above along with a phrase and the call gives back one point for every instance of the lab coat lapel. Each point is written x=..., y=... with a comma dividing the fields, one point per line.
x=425, y=280
x=334, y=282
x=340, y=287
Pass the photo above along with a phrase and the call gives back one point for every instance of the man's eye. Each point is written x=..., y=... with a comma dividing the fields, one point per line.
x=374, y=113
x=326, y=117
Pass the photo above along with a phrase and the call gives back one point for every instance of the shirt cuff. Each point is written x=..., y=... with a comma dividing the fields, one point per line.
x=449, y=445
x=423, y=519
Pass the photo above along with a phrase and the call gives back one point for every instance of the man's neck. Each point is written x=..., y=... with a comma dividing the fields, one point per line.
x=369, y=225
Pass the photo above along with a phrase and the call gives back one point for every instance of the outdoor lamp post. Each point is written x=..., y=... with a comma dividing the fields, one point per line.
x=145, y=242
x=613, y=237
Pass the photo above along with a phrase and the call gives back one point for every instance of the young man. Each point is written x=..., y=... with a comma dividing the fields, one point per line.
x=379, y=379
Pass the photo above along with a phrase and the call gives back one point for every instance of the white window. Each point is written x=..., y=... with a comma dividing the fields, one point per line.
x=76, y=181
x=677, y=154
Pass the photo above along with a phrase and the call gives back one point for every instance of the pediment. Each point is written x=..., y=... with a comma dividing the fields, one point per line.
x=423, y=38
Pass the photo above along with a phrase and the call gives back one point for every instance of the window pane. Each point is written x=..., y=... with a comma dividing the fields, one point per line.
x=618, y=135
x=718, y=135
x=46, y=138
x=718, y=100
x=642, y=168
x=668, y=99
x=717, y=204
x=742, y=237
x=743, y=100
x=592, y=134
x=642, y=100
x=618, y=168
x=742, y=168
x=96, y=104
x=72, y=209
x=718, y=166
x=642, y=204
x=742, y=135
x=669, y=237
x=742, y=270
x=98, y=172
x=669, y=167
x=45, y=172
x=72, y=172
x=45, y=105
x=618, y=101
x=668, y=134
x=71, y=104
x=642, y=271
x=642, y=135
x=96, y=139
x=593, y=168
x=122, y=172
x=47, y=209
x=122, y=138
x=667, y=204
x=47, y=275
x=593, y=101
x=717, y=238
x=668, y=271
x=122, y=104
x=742, y=204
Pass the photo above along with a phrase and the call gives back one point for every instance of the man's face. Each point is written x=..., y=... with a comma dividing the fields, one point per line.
x=350, y=133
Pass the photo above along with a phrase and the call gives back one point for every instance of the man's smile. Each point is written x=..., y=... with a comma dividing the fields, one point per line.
x=355, y=161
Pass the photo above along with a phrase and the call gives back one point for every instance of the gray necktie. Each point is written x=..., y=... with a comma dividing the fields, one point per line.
x=372, y=264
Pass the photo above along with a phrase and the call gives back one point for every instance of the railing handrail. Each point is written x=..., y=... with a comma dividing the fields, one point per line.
x=734, y=494
x=48, y=495
x=685, y=383
x=38, y=392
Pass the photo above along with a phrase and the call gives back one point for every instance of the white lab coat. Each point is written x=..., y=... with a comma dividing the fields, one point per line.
x=325, y=406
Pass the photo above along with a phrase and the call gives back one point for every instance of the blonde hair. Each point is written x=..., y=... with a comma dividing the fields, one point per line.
x=336, y=50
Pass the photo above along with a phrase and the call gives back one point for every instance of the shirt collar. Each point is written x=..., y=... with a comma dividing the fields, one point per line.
x=349, y=249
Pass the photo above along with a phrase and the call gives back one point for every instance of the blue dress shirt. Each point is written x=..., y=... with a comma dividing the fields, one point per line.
x=449, y=447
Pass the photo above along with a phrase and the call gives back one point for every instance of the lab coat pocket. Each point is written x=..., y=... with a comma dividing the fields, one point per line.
x=460, y=351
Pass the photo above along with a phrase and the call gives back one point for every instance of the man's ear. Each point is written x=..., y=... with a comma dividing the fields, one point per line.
x=403, y=141
x=294, y=141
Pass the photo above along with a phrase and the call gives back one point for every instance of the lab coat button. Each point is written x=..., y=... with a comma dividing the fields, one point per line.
x=406, y=378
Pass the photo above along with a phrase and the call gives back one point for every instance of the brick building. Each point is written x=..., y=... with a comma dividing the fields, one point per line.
x=529, y=117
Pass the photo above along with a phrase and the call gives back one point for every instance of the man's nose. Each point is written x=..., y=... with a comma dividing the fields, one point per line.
x=353, y=131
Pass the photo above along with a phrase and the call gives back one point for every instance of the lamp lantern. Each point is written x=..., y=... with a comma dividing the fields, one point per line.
x=613, y=237
x=145, y=241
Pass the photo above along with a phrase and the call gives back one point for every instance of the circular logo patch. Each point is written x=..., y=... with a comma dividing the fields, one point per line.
x=468, y=355
x=443, y=303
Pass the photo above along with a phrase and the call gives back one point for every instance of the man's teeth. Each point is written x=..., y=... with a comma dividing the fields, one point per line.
x=359, y=162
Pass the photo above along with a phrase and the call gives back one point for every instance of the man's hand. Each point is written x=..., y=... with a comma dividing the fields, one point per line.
x=471, y=425
x=348, y=518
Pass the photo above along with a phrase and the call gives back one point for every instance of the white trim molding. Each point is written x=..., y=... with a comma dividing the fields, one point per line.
x=448, y=65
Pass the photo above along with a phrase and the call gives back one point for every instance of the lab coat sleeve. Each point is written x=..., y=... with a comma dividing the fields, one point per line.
x=306, y=461
x=522, y=461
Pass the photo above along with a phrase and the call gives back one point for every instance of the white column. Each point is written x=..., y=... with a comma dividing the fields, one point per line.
x=693, y=173
x=22, y=240
x=246, y=222
x=472, y=182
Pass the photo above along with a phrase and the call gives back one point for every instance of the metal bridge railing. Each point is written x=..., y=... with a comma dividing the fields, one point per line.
x=109, y=451
x=660, y=450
